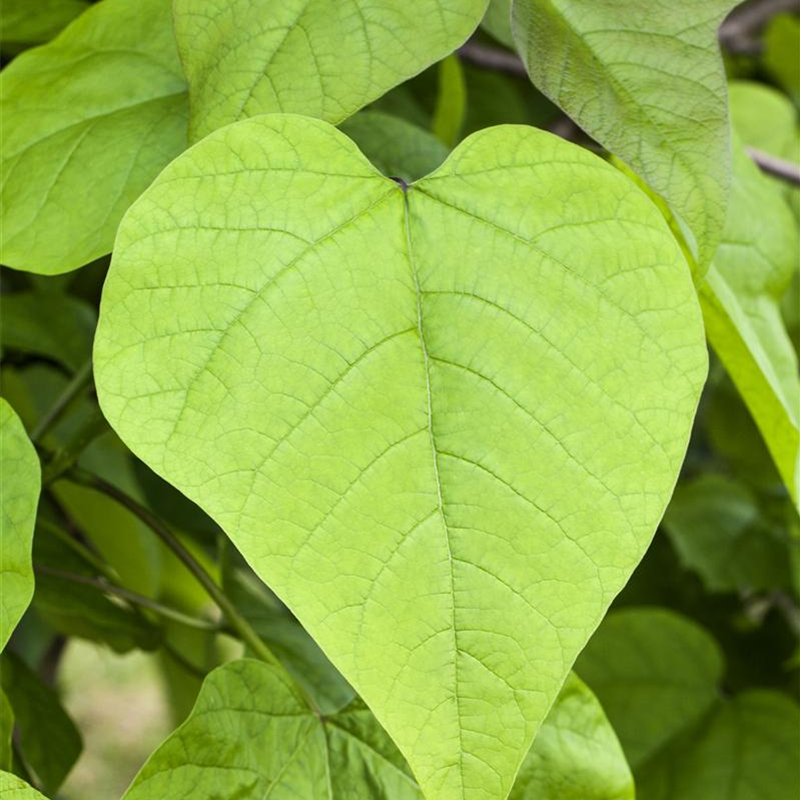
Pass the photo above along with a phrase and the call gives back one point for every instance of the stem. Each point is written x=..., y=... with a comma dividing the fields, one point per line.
x=63, y=459
x=78, y=383
x=237, y=621
x=78, y=547
x=131, y=596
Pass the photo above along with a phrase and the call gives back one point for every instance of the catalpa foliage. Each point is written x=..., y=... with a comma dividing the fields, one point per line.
x=362, y=436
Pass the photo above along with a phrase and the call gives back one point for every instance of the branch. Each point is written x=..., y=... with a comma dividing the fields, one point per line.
x=739, y=33
x=74, y=388
x=492, y=58
x=776, y=167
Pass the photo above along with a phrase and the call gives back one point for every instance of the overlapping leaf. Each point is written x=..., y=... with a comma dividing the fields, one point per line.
x=422, y=416
x=646, y=81
x=741, y=306
x=19, y=497
x=88, y=121
x=324, y=59
x=30, y=22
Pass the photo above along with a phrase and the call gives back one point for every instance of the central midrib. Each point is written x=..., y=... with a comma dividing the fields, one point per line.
x=435, y=453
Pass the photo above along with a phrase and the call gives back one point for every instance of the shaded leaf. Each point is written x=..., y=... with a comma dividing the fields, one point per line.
x=59, y=327
x=497, y=21
x=781, y=40
x=30, y=22
x=654, y=672
x=398, y=148
x=6, y=733
x=19, y=498
x=48, y=739
x=88, y=121
x=402, y=406
x=451, y=102
x=721, y=533
x=649, y=85
x=250, y=57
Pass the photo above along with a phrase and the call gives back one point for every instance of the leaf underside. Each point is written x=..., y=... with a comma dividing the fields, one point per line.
x=649, y=85
x=421, y=416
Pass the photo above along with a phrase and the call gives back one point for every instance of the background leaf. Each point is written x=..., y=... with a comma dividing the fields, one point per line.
x=30, y=22
x=648, y=85
x=88, y=121
x=14, y=788
x=19, y=465
x=405, y=512
x=252, y=57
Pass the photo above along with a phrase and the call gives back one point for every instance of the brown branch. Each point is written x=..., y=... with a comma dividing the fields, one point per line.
x=493, y=58
x=776, y=167
x=740, y=32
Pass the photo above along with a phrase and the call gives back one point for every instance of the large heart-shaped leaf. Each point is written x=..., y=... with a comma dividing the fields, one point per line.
x=441, y=423
x=647, y=81
x=741, y=305
x=21, y=473
x=316, y=57
x=88, y=121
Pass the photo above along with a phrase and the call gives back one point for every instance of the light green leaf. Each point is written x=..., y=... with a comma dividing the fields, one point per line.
x=29, y=22
x=315, y=57
x=720, y=532
x=14, y=788
x=498, y=21
x=88, y=121
x=451, y=101
x=741, y=306
x=398, y=148
x=56, y=326
x=414, y=413
x=251, y=735
x=576, y=755
x=49, y=742
x=19, y=498
x=649, y=85
x=654, y=672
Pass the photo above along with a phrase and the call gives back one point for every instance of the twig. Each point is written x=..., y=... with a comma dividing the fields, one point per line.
x=237, y=621
x=492, y=58
x=132, y=597
x=78, y=383
x=776, y=167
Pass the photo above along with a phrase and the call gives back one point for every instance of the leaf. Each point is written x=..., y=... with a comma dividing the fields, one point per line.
x=415, y=414
x=59, y=327
x=14, y=788
x=88, y=121
x=451, y=101
x=719, y=531
x=6, y=733
x=654, y=672
x=250, y=57
x=764, y=118
x=498, y=22
x=77, y=610
x=649, y=86
x=21, y=484
x=745, y=750
x=396, y=147
x=780, y=53
x=251, y=735
x=576, y=755
x=29, y=22
x=741, y=307
x=49, y=741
